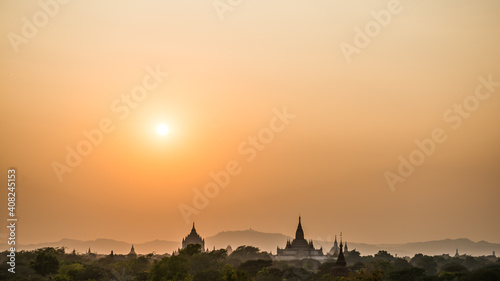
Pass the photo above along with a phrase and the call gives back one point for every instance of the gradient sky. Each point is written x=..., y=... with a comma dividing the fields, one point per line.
x=353, y=120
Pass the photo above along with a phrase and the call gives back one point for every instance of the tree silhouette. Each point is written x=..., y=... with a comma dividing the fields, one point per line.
x=170, y=268
x=190, y=250
x=254, y=266
x=384, y=255
x=245, y=253
x=426, y=262
x=46, y=261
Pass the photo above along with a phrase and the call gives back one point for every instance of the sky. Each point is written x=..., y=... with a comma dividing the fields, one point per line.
x=378, y=119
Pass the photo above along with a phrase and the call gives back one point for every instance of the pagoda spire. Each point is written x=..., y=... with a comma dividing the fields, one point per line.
x=132, y=250
x=335, y=249
x=299, y=234
x=341, y=259
x=193, y=230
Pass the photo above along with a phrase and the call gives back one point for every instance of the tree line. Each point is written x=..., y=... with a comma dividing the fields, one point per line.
x=246, y=263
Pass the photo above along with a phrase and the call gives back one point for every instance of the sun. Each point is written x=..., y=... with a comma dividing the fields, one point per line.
x=162, y=130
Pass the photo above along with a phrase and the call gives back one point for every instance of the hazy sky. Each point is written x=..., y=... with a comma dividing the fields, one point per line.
x=66, y=68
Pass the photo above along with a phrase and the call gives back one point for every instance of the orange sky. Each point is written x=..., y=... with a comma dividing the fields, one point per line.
x=228, y=74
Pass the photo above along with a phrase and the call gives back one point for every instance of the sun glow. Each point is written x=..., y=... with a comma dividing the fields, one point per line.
x=162, y=129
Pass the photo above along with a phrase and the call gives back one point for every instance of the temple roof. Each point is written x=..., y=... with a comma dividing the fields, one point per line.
x=132, y=250
x=193, y=236
x=300, y=241
x=299, y=246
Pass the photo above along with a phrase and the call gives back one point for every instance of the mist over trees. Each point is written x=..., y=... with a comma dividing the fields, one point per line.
x=244, y=263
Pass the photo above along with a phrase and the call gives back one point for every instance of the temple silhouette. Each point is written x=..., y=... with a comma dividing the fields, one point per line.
x=194, y=238
x=334, y=251
x=299, y=247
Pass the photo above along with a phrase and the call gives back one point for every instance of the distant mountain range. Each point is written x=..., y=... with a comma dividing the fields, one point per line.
x=268, y=242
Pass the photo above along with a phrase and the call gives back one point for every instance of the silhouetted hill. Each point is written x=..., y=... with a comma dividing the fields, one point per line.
x=438, y=247
x=269, y=241
x=105, y=246
x=464, y=246
x=265, y=241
